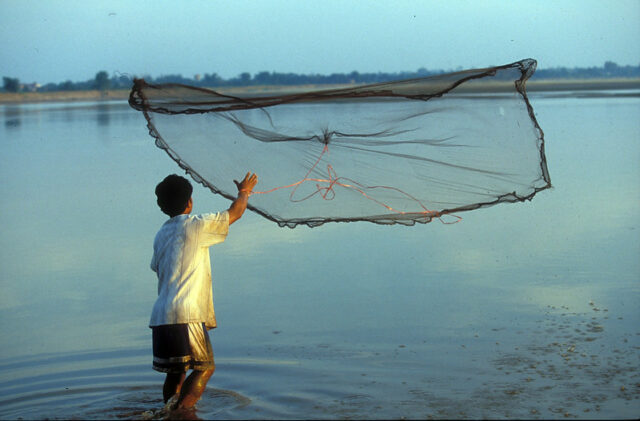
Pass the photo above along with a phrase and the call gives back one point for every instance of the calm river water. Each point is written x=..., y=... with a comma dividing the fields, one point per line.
x=527, y=310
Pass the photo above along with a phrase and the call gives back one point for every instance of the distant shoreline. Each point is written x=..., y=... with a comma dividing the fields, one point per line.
x=544, y=85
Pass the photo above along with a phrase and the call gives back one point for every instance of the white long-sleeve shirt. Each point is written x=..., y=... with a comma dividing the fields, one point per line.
x=181, y=261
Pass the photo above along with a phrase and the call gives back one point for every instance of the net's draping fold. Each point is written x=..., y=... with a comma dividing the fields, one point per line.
x=395, y=152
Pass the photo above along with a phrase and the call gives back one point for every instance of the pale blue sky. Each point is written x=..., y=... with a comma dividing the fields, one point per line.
x=52, y=41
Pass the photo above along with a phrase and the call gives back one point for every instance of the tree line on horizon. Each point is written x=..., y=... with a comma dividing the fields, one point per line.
x=102, y=81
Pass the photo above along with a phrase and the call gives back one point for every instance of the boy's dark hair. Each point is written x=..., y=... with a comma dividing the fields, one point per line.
x=173, y=194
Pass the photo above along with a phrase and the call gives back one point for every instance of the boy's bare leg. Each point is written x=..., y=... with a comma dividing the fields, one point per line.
x=193, y=387
x=172, y=385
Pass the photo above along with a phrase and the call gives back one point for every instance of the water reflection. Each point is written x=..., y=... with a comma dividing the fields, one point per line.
x=12, y=116
x=491, y=316
x=103, y=113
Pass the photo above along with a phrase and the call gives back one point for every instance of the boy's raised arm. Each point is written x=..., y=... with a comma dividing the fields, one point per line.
x=245, y=187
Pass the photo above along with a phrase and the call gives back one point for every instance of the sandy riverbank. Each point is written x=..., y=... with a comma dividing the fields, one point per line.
x=532, y=86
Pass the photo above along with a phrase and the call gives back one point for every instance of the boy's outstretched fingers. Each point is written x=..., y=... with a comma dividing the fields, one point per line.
x=247, y=184
x=239, y=183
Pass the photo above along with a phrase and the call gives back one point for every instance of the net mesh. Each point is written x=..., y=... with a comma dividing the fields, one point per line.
x=397, y=152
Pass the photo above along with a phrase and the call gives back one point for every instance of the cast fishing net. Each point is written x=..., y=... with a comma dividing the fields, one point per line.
x=396, y=152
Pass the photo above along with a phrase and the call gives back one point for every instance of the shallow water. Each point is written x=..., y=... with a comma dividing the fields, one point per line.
x=522, y=310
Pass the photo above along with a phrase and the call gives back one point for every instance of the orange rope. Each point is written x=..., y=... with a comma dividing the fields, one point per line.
x=328, y=193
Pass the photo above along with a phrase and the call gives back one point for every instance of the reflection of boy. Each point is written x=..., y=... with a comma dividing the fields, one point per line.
x=183, y=311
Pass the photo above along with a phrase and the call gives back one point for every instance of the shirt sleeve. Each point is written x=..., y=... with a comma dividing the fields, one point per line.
x=154, y=259
x=214, y=228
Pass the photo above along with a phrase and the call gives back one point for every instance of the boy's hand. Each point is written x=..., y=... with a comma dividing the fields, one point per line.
x=247, y=185
x=240, y=204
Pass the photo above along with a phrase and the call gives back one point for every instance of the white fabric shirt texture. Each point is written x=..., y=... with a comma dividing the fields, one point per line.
x=181, y=260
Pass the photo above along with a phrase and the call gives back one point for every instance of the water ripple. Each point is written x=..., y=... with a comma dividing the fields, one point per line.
x=92, y=385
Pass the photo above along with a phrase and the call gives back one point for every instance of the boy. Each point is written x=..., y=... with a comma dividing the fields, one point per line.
x=183, y=312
